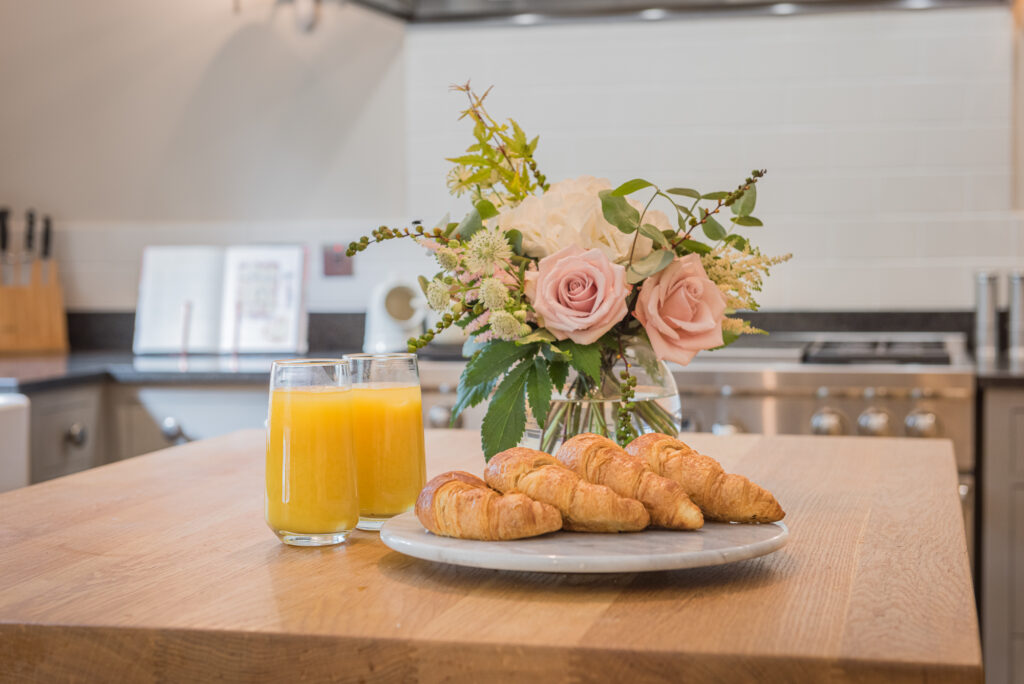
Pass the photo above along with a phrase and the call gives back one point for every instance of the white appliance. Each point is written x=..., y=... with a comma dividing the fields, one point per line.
x=14, y=463
x=395, y=313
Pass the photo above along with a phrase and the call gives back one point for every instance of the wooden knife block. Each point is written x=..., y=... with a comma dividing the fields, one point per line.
x=32, y=316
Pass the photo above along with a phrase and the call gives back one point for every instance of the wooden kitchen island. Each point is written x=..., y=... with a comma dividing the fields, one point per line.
x=161, y=568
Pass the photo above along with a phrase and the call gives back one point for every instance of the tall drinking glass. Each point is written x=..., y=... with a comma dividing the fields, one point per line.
x=311, y=495
x=387, y=435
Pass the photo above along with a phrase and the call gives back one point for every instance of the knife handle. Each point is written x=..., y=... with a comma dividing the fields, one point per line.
x=44, y=251
x=30, y=229
x=3, y=231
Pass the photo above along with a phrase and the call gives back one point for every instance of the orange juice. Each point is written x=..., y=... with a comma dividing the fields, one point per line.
x=311, y=482
x=387, y=439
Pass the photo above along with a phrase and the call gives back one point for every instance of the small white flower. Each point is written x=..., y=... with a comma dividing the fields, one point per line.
x=438, y=296
x=447, y=258
x=487, y=249
x=505, y=326
x=493, y=294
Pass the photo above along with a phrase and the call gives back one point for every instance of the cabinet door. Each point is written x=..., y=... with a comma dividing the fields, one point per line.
x=65, y=431
x=1003, y=535
x=152, y=417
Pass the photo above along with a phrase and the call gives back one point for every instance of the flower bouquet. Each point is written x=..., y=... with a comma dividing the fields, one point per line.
x=572, y=291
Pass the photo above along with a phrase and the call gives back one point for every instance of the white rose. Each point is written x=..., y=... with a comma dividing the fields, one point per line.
x=569, y=213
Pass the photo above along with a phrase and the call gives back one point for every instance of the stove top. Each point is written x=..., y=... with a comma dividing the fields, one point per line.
x=878, y=351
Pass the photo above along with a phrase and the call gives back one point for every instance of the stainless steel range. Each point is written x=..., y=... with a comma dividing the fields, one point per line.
x=869, y=384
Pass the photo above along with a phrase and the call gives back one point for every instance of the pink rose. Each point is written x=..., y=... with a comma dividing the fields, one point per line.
x=578, y=294
x=682, y=310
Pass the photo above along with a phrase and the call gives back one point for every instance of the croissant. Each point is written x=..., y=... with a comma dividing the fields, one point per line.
x=720, y=495
x=599, y=460
x=585, y=507
x=457, y=504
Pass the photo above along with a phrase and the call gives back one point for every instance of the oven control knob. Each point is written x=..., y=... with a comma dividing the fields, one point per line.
x=874, y=422
x=828, y=421
x=921, y=423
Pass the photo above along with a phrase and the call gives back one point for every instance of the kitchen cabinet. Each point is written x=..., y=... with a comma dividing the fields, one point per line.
x=146, y=418
x=1003, y=535
x=66, y=431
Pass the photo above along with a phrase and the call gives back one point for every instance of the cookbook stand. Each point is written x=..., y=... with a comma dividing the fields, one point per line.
x=32, y=316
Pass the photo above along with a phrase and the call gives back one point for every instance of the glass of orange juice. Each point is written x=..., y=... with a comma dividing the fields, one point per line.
x=311, y=494
x=387, y=435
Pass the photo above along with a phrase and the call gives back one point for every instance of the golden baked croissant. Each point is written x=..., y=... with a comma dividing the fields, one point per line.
x=720, y=495
x=457, y=504
x=599, y=460
x=585, y=507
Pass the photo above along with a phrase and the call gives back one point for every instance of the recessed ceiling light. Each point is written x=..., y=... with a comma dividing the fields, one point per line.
x=783, y=8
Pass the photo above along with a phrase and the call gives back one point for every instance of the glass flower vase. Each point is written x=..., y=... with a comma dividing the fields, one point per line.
x=586, y=406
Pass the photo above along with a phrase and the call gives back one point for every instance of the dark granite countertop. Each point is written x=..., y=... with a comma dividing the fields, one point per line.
x=1002, y=373
x=36, y=373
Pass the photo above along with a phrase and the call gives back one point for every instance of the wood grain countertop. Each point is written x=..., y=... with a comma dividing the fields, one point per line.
x=161, y=568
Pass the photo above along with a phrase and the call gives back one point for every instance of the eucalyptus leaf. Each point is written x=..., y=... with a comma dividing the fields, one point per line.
x=696, y=246
x=745, y=204
x=747, y=221
x=469, y=225
x=631, y=186
x=649, y=265
x=539, y=335
x=713, y=229
x=652, y=232
x=721, y=194
x=485, y=209
x=685, y=192
x=515, y=238
x=618, y=212
x=737, y=241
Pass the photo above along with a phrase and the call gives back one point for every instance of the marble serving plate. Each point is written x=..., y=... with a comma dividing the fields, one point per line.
x=713, y=544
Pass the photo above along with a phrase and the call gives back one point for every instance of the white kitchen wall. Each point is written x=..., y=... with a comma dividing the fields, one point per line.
x=886, y=134
x=202, y=121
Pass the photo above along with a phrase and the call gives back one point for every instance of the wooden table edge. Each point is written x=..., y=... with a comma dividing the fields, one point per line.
x=28, y=651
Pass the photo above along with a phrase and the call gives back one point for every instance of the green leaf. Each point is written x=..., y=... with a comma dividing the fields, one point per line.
x=713, y=229
x=745, y=204
x=485, y=209
x=649, y=265
x=652, y=232
x=586, y=358
x=685, y=192
x=469, y=225
x=559, y=372
x=747, y=221
x=630, y=186
x=721, y=194
x=538, y=391
x=515, y=238
x=495, y=358
x=469, y=395
x=468, y=160
x=727, y=339
x=423, y=283
x=618, y=212
x=696, y=246
x=737, y=241
x=539, y=335
x=505, y=419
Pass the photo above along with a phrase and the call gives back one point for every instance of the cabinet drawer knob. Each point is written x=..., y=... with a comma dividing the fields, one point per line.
x=76, y=435
x=172, y=431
